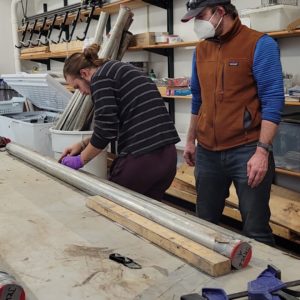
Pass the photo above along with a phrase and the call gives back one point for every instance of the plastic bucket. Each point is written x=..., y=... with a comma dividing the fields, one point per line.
x=63, y=139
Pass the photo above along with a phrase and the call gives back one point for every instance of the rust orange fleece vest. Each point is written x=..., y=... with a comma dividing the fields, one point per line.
x=228, y=90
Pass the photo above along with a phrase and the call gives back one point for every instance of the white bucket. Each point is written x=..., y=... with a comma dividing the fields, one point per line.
x=63, y=139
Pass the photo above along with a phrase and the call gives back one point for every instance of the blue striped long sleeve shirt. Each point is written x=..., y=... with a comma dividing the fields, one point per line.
x=267, y=72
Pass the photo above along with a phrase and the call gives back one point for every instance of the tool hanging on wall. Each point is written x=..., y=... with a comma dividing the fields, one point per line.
x=88, y=22
x=32, y=31
x=74, y=24
x=43, y=32
x=63, y=28
x=23, y=36
x=47, y=38
x=92, y=2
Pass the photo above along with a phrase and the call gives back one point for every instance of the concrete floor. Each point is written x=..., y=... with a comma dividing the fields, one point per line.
x=58, y=248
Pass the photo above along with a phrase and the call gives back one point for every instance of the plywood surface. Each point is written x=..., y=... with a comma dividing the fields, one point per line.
x=202, y=258
x=58, y=248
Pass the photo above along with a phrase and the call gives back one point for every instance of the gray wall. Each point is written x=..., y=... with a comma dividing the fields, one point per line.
x=6, y=48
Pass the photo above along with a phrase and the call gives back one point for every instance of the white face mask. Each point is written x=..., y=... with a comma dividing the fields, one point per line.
x=205, y=29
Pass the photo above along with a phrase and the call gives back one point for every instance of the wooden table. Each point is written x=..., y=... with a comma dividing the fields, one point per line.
x=58, y=248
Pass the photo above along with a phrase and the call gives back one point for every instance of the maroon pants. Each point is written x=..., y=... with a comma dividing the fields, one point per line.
x=150, y=174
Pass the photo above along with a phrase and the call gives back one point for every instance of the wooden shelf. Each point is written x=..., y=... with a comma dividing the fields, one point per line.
x=285, y=33
x=178, y=97
x=113, y=8
x=175, y=97
x=164, y=46
x=48, y=55
x=292, y=101
x=289, y=173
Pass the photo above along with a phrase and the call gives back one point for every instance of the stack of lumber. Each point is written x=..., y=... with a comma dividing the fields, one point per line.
x=284, y=204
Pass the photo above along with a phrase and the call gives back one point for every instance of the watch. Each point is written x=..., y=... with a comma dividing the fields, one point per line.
x=267, y=147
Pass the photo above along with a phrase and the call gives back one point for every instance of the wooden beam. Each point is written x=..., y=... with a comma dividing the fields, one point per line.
x=193, y=253
x=284, y=204
x=180, y=189
x=278, y=230
x=284, y=212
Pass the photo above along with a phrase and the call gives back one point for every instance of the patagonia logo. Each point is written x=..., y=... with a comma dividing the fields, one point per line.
x=234, y=64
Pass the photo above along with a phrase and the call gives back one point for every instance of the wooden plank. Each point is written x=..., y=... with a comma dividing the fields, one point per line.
x=66, y=47
x=181, y=194
x=114, y=7
x=284, y=204
x=177, y=190
x=287, y=172
x=285, y=33
x=197, y=255
x=165, y=46
x=292, y=103
x=278, y=230
x=284, y=212
x=35, y=49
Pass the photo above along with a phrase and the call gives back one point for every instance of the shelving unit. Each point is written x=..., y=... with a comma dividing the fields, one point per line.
x=166, y=50
x=49, y=55
x=111, y=8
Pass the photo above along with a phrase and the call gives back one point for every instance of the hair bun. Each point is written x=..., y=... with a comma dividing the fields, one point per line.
x=91, y=52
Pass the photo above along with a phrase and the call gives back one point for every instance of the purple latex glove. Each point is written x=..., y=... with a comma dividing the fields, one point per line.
x=73, y=162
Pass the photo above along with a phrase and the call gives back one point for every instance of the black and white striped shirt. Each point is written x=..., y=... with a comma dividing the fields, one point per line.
x=129, y=109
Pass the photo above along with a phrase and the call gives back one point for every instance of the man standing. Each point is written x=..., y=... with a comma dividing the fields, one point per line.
x=238, y=96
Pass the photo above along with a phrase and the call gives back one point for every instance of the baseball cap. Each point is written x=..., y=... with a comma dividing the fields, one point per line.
x=194, y=7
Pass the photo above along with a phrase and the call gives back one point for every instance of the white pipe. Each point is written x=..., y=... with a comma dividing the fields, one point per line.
x=15, y=36
x=238, y=251
x=98, y=38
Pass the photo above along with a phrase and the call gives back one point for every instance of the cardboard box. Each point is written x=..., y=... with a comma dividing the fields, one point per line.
x=145, y=39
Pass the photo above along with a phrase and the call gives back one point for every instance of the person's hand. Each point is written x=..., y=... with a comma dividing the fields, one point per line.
x=257, y=167
x=73, y=150
x=74, y=162
x=189, y=154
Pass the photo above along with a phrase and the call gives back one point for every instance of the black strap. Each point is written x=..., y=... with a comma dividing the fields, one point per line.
x=126, y=261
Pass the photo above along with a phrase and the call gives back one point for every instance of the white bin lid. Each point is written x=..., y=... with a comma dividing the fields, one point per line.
x=41, y=89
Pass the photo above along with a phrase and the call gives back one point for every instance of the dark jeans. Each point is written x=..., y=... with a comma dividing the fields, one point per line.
x=150, y=174
x=215, y=172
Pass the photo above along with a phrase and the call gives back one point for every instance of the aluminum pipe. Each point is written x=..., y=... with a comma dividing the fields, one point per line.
x=237, y=250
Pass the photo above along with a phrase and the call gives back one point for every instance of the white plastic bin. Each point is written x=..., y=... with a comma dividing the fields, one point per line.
x=272, y=18
x=13, y=106
x=31, y=129
x=32, y=135
x=63, y=139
